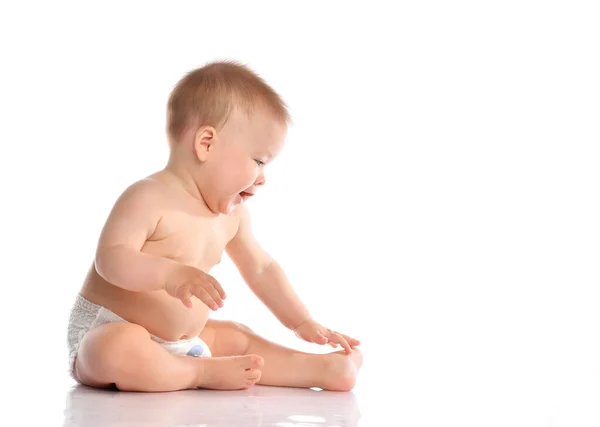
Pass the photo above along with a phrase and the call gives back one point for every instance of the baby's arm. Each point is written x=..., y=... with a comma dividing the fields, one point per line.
x=264, y=276
x=120, y=261
x=268, y=281
x=132, y=221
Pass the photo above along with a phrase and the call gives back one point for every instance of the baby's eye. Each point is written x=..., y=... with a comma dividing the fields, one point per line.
x=259, y=163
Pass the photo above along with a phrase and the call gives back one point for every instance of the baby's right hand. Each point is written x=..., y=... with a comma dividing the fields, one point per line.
x=187, y=281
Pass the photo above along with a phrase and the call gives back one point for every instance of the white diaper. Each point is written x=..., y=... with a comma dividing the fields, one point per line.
x=86, y=315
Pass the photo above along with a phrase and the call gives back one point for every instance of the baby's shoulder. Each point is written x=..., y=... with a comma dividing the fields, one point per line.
x=146, y=194
x=147, y=189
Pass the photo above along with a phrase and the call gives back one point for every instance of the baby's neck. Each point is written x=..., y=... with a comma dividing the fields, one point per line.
x=178, y=174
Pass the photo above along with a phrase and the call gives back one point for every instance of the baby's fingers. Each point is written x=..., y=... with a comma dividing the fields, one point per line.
x=183, y=295
x=338, y=338
x=205, y=297
x=217, y=287
x=353, y=342
x=214, y=294
x=320, y=338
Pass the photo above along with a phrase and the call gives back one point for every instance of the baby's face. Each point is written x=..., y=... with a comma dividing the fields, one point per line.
x=236, y=162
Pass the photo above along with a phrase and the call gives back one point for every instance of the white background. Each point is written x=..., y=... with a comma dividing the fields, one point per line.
x=437, y=198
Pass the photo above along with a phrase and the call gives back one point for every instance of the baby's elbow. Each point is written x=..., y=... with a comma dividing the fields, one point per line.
x=259, y=272
x=105, y=263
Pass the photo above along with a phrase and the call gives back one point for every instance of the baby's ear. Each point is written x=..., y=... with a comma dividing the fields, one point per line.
x=203, y=141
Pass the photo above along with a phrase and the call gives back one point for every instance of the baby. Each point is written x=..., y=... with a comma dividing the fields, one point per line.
x=141, y=319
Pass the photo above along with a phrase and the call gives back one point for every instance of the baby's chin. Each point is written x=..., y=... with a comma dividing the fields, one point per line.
x=228, y=207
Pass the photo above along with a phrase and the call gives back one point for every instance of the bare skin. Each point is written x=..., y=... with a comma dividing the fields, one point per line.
x=162, y=238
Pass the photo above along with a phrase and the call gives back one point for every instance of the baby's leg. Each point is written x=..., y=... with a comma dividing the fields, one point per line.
x=123, y=354
x=284, y=366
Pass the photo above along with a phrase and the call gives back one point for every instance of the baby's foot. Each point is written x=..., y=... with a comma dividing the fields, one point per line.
x=230, y=373
x=341, y=370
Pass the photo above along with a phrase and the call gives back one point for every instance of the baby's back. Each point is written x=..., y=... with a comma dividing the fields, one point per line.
x=186, y=232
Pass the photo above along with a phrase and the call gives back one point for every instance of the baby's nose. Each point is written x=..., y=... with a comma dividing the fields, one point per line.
x=260, y=180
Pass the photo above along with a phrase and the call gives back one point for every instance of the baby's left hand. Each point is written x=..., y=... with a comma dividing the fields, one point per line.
x=312, y=331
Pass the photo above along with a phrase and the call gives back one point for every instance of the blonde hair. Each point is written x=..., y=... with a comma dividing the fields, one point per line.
x=207, y=95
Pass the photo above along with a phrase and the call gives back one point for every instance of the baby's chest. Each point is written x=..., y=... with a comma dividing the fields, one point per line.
x=191, y=240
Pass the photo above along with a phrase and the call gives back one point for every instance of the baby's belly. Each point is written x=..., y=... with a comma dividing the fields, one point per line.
x=158, y=312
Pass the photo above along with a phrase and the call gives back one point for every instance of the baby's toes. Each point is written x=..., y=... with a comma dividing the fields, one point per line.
x=252, y=377
x=251, y=361
x=256, y=362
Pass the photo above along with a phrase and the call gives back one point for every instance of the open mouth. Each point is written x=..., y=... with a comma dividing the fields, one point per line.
x=245, y=196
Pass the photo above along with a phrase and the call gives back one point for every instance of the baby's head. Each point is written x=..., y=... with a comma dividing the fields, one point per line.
x=224, y=124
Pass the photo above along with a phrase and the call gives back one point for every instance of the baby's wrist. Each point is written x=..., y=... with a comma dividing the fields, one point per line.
x=175, y=275
x=294, y=328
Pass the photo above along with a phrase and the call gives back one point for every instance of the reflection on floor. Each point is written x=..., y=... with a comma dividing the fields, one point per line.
x=259, y=406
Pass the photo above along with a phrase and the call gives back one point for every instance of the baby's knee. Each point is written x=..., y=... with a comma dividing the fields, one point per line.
x=104, y=348
x=241, y=327
x=231, y=339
